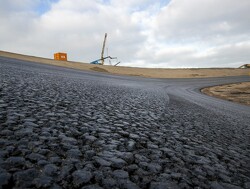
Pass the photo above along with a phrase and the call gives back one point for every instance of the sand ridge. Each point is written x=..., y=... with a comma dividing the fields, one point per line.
x=132, y=71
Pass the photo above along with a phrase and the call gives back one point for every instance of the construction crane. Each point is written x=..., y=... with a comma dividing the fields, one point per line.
x=103, y=47
x=102, y=54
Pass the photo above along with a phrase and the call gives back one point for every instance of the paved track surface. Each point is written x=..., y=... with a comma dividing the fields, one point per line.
x=64, y=128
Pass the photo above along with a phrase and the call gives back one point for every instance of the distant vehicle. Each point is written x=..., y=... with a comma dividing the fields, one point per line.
x=245, y=66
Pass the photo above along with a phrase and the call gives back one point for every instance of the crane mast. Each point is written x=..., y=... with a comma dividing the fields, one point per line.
x=103, y=47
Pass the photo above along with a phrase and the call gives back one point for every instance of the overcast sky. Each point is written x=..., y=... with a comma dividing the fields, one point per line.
x=141, y=33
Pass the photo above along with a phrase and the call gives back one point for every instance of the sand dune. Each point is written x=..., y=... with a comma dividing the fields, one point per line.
x=144, y=72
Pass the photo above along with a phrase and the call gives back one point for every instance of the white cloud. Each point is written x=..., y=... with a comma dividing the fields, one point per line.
x=182, y=19
x=141, y=33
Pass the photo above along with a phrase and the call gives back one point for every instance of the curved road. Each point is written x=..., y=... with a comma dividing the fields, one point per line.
x=64, y=128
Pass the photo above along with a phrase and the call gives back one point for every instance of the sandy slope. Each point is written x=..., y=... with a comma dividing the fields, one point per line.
x=144, y=72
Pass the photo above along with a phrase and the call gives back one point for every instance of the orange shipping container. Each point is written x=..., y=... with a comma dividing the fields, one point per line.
x=60, y=56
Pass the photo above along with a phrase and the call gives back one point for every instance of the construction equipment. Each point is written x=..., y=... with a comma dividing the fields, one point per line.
x=117, y=63
x=245, y=66
x=101, y=60
x=60, y=56
x=103, y=47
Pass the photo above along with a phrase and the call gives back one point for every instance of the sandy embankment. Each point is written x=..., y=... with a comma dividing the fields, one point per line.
x=238, y=92
x=144, y=72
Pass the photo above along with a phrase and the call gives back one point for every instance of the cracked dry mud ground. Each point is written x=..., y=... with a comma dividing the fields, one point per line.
x=61, y=128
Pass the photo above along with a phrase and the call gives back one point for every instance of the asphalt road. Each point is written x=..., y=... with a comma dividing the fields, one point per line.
x=64, y=128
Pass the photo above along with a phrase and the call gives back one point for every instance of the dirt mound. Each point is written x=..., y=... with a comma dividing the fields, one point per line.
x=98, y=69
x=238, y=92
